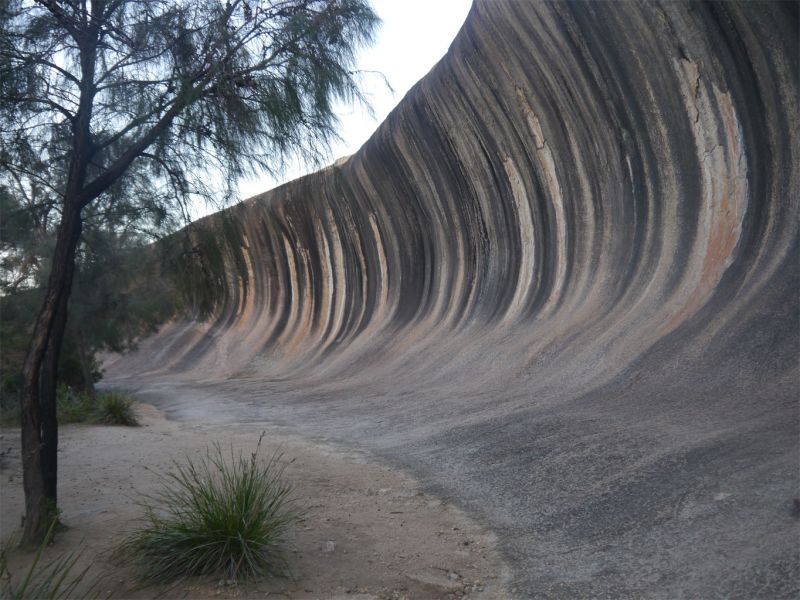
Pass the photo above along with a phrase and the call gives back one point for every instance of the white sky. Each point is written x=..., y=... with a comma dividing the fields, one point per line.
x=415, y=34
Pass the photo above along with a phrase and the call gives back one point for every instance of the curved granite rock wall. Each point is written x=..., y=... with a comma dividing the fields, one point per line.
x=574, y=181
x=589, y=207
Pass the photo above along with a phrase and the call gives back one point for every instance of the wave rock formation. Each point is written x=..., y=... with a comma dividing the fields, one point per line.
x=559, y=283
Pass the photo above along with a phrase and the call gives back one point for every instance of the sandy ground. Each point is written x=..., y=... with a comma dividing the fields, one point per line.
x=368, y=531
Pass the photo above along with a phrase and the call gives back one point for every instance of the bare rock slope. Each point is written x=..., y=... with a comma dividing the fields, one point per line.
x=559, y=284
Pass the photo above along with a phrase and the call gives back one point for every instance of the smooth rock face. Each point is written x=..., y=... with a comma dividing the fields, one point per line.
x=560, y=284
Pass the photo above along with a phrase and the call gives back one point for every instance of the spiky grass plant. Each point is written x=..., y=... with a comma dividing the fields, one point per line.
x=216, y=515
x=56, y=580
x=116, y=408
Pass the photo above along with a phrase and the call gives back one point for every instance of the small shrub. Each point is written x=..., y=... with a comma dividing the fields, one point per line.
x=115, y=408
x=9, y=410
x=78, y=406
x=74, y=406
x=216, y=516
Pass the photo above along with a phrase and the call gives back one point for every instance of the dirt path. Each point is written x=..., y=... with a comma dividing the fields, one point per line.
x=369, y=532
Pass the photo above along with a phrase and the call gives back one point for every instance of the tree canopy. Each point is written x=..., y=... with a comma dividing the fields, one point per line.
x=171, y=93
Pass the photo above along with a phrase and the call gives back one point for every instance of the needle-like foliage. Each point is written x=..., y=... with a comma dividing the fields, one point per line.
x=223, y=514
x=176, y=93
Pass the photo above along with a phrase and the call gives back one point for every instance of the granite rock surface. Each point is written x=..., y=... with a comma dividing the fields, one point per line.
x=560, y=284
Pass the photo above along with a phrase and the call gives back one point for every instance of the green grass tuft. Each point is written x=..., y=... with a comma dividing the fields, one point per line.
x=56, y=580
x=216, y=515
x=115, y=408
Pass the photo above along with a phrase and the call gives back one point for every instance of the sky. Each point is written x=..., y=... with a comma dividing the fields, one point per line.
x=414, y=35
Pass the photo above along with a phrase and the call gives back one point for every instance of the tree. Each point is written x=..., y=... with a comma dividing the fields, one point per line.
x=149, y=99
x=119, y=293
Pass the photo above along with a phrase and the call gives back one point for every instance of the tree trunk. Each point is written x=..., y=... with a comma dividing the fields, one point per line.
x=48, y=399
x=38, y=396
